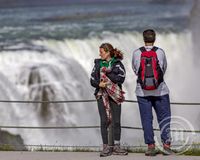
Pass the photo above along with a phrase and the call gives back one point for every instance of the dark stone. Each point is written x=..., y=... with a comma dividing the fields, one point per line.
x=11, y=142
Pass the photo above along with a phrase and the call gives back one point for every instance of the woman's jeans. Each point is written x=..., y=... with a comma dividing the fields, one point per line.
x=116, y=118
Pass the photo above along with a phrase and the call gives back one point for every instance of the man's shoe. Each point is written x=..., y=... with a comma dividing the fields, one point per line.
x=167, y=150
x=151, y=151
x=119, y=151
x=107, y=151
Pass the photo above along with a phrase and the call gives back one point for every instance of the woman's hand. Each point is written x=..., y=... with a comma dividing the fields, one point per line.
x=102, y=84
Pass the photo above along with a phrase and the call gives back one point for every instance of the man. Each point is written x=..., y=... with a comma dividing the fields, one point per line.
x=152, y=91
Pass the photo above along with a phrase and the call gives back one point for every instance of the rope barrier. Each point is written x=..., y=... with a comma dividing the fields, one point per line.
x=174, y=103
x=73, y=101
x=79, y=127
x=50, y=127
x=86, y=101
x=84, y=127
x=172, y=130
x=88, y=127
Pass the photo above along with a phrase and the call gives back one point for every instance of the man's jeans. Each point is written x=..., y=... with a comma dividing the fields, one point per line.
x=161, y=105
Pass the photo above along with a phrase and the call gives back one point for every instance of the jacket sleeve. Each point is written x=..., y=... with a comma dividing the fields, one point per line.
x=117, y=74
x=164, y=64
x=162, y=59
x=136, y=61
x=94, y=79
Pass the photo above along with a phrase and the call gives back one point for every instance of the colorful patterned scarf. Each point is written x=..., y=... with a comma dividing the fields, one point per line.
x=111, y=90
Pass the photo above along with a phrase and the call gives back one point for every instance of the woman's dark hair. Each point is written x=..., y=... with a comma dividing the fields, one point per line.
x=114, y=52
x=149, y=36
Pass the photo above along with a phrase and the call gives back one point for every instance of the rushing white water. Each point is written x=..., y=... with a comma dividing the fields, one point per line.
x=62, y=73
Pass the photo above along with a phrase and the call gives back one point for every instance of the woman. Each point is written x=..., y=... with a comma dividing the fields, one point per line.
x=107, y=77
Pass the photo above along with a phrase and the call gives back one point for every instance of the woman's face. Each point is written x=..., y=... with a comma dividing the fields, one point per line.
x=103, y=54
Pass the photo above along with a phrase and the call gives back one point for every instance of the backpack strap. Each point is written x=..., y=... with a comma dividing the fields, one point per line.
x=154, y=49
x=142, y=49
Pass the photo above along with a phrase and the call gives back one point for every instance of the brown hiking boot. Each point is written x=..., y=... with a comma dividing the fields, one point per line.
x=119, y=151
x=151, y=151
x=167, y=150
x=107, y=151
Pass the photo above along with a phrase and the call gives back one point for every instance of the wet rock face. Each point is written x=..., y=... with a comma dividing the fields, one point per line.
x=58, y=80
x=10, y=141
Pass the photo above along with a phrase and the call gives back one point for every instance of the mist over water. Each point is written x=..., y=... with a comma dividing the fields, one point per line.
x=63, y=76
x=53, y=68
x=194, y=26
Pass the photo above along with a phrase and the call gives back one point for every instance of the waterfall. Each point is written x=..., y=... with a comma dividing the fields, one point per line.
x=194, y=26
x=13, y=114
x=62, y=72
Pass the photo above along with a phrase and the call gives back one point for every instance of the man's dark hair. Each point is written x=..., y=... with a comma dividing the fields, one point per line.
x=149, y=36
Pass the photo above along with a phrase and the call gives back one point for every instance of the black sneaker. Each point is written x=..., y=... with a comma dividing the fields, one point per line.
x=151, y=151
x=107, y=151
x=119, y=151
x=167, y=151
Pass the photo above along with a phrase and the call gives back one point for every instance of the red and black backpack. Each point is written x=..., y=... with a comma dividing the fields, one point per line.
x=150, y=74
